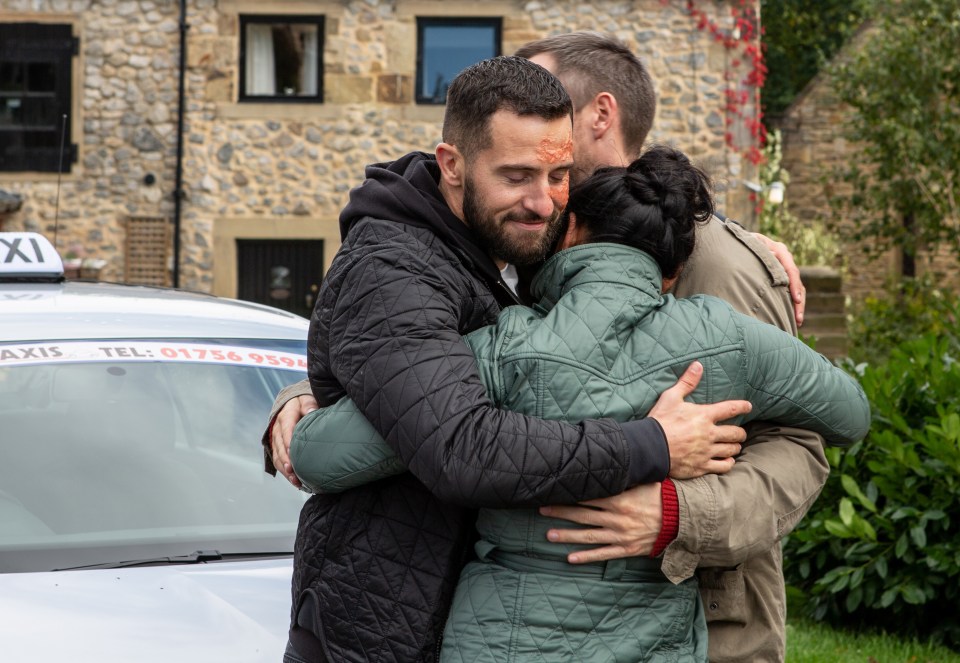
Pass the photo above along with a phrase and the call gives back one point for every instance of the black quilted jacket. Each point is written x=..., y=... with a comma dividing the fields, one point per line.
x=375, y=567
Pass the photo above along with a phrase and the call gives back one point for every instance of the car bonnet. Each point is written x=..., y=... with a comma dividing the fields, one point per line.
x=225, y=611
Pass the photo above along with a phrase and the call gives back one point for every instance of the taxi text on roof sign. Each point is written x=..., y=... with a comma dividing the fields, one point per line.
x=25, y=255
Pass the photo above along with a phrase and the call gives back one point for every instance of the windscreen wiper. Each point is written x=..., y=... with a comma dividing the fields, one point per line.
x=197, y=557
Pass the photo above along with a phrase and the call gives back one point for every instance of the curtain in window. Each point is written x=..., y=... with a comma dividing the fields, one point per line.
x=308, y=69
x=261, y=76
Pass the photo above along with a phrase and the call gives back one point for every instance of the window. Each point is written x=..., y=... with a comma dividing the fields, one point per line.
x=446, y=46
x=35, y=96
x=281, y=58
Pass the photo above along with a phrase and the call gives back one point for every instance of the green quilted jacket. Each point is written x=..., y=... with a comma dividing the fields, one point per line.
x=601, y=342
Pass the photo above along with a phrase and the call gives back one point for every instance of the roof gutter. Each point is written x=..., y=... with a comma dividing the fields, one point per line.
x=178, y=177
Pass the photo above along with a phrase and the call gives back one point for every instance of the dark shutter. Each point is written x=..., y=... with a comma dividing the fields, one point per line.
x=35, y=94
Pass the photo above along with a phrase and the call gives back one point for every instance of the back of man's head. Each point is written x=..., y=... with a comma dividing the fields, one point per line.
x=592, y=62
x=507, y=83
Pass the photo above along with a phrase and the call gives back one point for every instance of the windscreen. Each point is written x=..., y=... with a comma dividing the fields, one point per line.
x=119, y=449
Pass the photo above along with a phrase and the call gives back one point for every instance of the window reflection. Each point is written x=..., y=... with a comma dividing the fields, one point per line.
x=446, y=47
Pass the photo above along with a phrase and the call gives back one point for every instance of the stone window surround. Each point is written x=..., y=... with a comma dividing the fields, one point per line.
x=227, y=230
x=449, y=22
x=406, y=10
x=76, y=121
x=318, y=20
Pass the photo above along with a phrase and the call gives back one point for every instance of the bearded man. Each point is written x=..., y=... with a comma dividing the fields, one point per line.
x=430, y=247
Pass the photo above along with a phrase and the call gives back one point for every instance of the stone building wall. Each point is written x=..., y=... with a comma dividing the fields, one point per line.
x=814, y=148
x=261, y=170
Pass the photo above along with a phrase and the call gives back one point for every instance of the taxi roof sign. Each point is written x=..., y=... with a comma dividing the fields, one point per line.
x=28, y=256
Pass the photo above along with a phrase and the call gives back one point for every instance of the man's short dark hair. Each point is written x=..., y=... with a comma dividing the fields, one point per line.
x=507, y=83
x=590, y=63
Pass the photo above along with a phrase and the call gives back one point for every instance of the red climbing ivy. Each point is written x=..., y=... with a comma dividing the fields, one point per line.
x=743, y=42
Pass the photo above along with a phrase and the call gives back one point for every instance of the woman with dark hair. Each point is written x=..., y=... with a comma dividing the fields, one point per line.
x=653, y=205
x=603, y=340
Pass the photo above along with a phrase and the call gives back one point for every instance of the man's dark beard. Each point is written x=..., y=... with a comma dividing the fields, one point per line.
x=495, y=241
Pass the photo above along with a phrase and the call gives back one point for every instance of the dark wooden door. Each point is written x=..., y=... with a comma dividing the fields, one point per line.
x=284, y=273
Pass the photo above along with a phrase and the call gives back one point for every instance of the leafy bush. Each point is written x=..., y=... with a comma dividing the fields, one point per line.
x=909, y=308
x=881, y=548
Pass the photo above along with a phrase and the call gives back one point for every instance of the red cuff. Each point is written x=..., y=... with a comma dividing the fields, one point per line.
x=671, y=518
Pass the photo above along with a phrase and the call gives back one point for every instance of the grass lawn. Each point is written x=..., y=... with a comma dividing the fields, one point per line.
x=813, y=642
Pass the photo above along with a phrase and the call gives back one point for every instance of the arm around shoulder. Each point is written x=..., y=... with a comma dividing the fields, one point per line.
x=397, y=351
x=795, y=385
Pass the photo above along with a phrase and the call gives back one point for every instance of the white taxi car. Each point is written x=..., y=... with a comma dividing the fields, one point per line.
x=136, y=521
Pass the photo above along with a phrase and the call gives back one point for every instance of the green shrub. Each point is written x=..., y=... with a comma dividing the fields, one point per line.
x=908, y=309
x=880, y=547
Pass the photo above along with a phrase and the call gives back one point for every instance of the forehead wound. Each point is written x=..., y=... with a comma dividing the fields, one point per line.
x=554, y=151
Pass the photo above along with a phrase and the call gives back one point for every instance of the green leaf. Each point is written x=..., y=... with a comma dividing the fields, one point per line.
x=904, y=512
x=853, y=599
x=888, y=597
x=950, y=426
x=866, y=529
x=840, y=584
x=919, y=536
x=850, y=485
x=856, y=578
x=837, y=528
x=901, y=546
x=914, y=595
x=881, y=566
x=846, y=512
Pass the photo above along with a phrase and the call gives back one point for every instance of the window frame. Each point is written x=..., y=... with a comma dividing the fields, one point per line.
x=495, y=22
x=247, y=19
x=63, y=58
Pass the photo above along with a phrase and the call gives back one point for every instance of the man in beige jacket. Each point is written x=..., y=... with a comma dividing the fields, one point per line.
x=725, y=528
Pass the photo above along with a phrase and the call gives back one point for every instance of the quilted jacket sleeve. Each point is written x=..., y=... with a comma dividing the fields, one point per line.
x=335, y=448
x=726, y=519
x=792, y=383
x=395, y=347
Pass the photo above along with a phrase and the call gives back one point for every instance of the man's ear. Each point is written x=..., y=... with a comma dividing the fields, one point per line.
x=606, y=115
x=450, y=161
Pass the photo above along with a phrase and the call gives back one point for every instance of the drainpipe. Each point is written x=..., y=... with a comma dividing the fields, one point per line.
x=178, y=177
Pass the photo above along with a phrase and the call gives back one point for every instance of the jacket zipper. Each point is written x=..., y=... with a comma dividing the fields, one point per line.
x=511, y=293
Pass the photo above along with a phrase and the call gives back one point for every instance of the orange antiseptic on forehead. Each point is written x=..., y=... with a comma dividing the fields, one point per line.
x=554, y=152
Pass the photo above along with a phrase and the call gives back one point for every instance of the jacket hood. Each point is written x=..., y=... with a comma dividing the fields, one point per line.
x=406, y=191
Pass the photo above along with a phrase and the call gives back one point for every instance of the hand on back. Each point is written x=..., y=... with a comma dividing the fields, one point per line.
x=698, y=443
